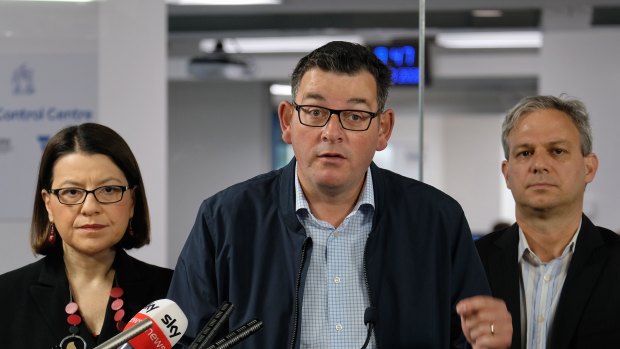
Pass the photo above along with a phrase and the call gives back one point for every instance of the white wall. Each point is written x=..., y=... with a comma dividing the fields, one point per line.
x=585, y=64
x=462, y=154
x=132, y=100
x=220, y=134
x=472, y=170
x=34, y=33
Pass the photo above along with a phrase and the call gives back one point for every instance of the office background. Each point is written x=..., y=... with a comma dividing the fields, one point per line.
x=195, y=135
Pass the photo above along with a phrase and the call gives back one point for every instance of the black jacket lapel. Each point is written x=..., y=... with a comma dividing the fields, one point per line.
x=51, y=295
x=585, y=268
x=504, y=277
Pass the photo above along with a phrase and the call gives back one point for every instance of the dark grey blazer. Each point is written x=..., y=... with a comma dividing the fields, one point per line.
x=588, y=311
x=34, y=298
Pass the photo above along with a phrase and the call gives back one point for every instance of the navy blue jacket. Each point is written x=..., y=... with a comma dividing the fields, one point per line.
x=248, y=247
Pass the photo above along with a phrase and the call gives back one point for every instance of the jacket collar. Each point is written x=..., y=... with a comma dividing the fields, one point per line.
x=286, y=199
x=586, y=265
x=504, y=277
x=585, y=268
x=51, y=292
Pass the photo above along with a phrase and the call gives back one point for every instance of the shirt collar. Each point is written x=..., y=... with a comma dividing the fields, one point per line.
x=366, y=197
x=524, y=248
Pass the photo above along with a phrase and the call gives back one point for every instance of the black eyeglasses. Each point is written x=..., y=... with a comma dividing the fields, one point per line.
x=352, y=120
x=107, y=194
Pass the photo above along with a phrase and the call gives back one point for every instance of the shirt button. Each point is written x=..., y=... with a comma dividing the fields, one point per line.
x=546, y=277
x=336, y=234
x=339, y=327
x=541, y=318
x=337, y=279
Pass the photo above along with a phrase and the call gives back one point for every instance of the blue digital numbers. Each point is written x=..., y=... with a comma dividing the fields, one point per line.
x=403, y=62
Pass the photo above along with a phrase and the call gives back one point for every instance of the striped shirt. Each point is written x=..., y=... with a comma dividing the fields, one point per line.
x=336, y=293
x=540, y=288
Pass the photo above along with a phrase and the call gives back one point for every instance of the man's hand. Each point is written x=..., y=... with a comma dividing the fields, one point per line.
x=486, y=322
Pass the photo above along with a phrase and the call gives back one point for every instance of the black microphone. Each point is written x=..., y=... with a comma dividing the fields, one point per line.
x=205, y=337
x=238, y=335
x=369, y=320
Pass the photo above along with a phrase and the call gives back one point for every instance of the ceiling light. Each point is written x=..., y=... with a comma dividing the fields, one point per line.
x=224, y=2
x=530, y=39
x=487, y=13
x=276, y=44
x=280, y=90
x=56, y=0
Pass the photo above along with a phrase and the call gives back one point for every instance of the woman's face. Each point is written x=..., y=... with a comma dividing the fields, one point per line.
x=90, y=227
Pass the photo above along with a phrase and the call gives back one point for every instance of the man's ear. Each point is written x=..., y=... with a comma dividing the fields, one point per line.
x=591, y=163
x=285, y=114
x=505, y=172
x=386, y=125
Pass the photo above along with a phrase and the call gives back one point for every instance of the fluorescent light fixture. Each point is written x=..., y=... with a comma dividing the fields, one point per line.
x=275, y=44
x=224, y=2
x=526, y=39
x=280, y=90
x=55, y=0
x=487, y=13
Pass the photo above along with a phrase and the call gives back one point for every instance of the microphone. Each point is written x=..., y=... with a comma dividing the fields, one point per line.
x=159, y=324
x=238, y=335
x=205, y=337
x=369, y=320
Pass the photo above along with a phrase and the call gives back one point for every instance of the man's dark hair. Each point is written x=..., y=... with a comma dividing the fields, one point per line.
x=348, y=58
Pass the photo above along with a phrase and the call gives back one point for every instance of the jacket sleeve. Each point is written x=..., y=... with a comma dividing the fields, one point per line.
x=468, y=275
x=193, y=285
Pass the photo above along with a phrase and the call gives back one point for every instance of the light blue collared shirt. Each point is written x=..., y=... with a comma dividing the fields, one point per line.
x=336, y=293
x=541, y=285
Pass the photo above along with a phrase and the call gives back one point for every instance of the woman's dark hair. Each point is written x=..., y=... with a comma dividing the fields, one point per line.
x=89, y=138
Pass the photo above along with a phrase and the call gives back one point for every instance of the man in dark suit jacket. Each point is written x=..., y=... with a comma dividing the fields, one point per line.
x=558, y=273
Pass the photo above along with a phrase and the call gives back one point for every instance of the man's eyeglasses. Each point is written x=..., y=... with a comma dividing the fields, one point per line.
x=107, y=194
x=315, y=116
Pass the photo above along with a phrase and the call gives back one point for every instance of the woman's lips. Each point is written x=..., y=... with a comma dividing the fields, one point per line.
x=92, y=226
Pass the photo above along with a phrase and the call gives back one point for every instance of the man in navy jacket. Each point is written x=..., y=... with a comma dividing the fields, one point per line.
x=331, y=242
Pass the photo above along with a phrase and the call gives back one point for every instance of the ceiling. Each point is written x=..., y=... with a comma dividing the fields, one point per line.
x=385, y=21
x=382, y=20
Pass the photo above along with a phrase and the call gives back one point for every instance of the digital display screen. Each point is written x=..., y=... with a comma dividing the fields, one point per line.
x=404, y=62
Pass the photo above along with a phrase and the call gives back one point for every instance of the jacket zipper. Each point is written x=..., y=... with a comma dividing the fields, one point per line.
x=297, y=286
x=366, y=282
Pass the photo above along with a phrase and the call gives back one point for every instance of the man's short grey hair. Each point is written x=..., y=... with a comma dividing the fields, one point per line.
x=572, y=107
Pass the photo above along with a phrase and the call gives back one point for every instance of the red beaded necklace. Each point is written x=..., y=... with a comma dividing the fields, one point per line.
x=74, y=319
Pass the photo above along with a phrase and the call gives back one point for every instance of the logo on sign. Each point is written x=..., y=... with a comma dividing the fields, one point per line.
x=23, y=80
x=5, y=145
x=43, y=139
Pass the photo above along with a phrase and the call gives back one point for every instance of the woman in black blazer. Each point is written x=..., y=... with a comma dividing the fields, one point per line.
x=89, y=207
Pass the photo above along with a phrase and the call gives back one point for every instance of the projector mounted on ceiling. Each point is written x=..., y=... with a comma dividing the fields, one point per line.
x=219, y=65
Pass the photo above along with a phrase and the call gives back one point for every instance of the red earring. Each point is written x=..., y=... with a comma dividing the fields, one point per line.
x=51, y=238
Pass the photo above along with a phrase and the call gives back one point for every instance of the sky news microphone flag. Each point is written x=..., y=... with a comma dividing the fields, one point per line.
x=168, y=326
